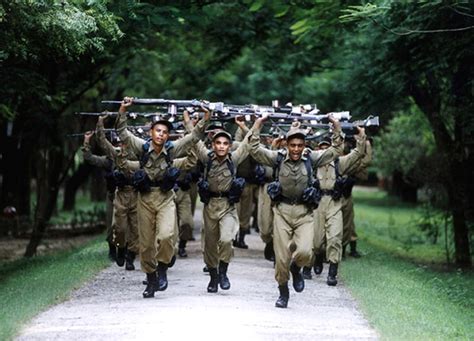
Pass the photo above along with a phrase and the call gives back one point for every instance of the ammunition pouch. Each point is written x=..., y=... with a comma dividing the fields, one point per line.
x=259, y=175
x=121, y=180
x=141, y=182
x=311, y=197
x=204, y=192
x=110, y=181
x=348, y=185
x=274, y=190
x=185, y=184
x=169, y=179
x=338, y=189
x=236, y=189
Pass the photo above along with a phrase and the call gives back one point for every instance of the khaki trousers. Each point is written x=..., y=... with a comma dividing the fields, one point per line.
x=292, y=238
x=246, y=205
x=109, y=213
x=348, y=229
x=221, y=223
x=125, y=224
x=265, y=214
x=328, y=229
x=157, y=228
x=185, y=217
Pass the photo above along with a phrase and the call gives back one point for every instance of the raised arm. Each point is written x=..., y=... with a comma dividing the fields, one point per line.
x=261, y=154
x=135, y=143
x=94, y=160
x=182, y=146
x=351, y=162
x=104, y=144
x=323, y=157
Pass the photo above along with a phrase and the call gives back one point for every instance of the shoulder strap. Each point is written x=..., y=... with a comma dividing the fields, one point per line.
x=277, y=165
x=209, y=164
x=309, y=168
x=145, y=155
x=336, y=167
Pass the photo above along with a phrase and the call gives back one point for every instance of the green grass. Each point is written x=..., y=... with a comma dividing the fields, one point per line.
x=388, y=224
x=405, y=301
x=28, y=287
x=399, y=290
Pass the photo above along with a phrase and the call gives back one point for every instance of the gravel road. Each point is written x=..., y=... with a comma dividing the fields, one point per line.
x=111, y=307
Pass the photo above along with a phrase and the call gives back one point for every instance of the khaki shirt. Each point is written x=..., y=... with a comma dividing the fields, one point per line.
x=95, y=160
x=112, y=152
x=156, y=164
x=219, y=175
x=348, y=164
x=293, y=175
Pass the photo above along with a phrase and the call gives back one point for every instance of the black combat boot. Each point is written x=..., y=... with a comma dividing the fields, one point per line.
x=205, y=269
x=112, y=252
x=318, y=264
x=151, y=286
x=298, y=280
x=307, y=272
x=162, y=278
x=120, y=256
x=129, y=259
x=332, y=274
x=240, y=242
x=212, y=286
x=354, y=253
x=269, y=252
x=223, y=279
x=182, y=248
x=282, y=301
x=172, y=261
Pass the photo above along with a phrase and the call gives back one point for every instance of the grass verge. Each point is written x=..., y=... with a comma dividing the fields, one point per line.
x=402, y=299
x=28, y=287
x=405, y=301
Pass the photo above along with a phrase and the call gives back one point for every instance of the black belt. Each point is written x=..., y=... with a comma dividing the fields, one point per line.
x=292, y=201
x=329, y=192
x=218, y=194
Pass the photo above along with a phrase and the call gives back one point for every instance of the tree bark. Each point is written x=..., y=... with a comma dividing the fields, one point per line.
x=49, y=169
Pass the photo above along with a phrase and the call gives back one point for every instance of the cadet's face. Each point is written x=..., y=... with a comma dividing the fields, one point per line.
x=324, y=146
x=295, y=148
x=159, y=134
x=221, y=146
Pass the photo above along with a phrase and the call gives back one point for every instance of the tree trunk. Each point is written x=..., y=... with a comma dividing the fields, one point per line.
x=49, y=167
x=73, y=184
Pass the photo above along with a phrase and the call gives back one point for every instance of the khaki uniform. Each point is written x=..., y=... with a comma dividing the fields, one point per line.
x=103, y=162
x=124, y=222
x=328, y=215
x=265, y=211
x=293, y=223
x=248, y=200
x=221, y=222
x=185, y=217
x=157, y=210
x=347, y=205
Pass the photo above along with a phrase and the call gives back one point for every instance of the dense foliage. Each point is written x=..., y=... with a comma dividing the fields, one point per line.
x=407, y=60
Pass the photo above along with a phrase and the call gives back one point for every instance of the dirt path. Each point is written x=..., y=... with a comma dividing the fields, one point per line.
x=111, y=307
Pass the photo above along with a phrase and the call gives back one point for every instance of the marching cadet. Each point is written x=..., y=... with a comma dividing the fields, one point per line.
x=349, y=235
x=328, y=215
x=265, y=212
x=124, y=223
x=294, y=199
x=156, y=206
x=106, y=164
x=219, y=191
